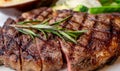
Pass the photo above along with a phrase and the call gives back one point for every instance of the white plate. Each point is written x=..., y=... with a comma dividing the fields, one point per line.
x=3, y=18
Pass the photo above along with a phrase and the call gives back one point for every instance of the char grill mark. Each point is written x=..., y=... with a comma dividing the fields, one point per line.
x=24, y=41
x=75, y=23
x=31, y=60
x=87, y=25
x=50, y=54
x=32, y=14
x=59, y=15
x=45, y=14
x=38, y=14
x=98, y=33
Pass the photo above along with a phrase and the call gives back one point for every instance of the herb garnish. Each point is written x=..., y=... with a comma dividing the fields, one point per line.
x=44, y=28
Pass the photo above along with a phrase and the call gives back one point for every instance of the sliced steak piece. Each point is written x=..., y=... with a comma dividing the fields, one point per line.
x=30, y=57
x=40, y=55
x=76, y=54
x=11, y=56
x=50, y=54
x=95, y=48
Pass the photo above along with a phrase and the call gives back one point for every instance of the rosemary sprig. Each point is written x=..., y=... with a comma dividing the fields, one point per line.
x=46, y=28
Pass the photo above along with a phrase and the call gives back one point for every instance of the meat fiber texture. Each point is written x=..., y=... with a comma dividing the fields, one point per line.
x=99, y=46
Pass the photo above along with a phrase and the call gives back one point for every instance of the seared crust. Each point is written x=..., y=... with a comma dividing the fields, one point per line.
x=50, y=54
x=30, y=58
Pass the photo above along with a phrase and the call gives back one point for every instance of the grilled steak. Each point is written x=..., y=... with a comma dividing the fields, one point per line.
x=98, y=46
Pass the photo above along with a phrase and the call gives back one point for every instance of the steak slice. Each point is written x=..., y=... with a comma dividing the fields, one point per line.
x=96, y=47
x=40, y=55
x=49, y=50
x=11, y=56
x=30, y=57
x=50, y=54
x=76, y=54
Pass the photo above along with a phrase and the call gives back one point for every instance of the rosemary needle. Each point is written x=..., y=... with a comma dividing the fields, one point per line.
x=67, y=36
